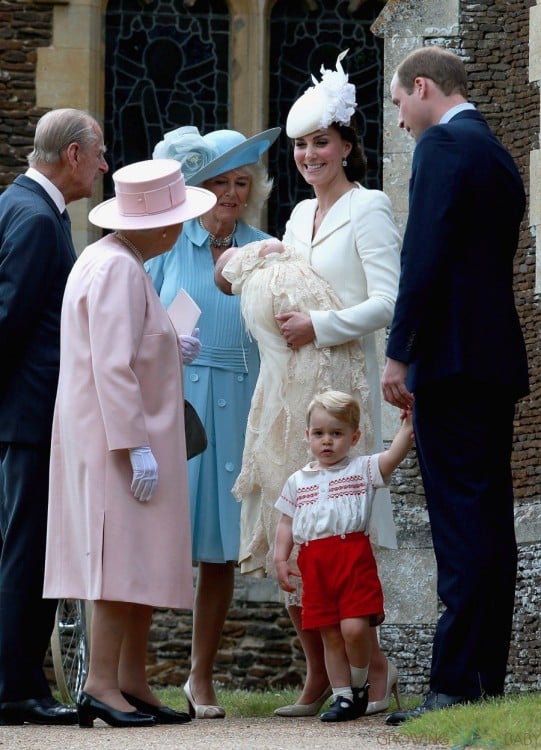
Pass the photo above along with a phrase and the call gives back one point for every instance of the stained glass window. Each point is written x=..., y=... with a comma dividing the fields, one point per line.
x=166, y=66
x=301, y=41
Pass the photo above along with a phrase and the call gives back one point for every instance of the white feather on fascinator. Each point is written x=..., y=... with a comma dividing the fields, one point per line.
x=330, y=100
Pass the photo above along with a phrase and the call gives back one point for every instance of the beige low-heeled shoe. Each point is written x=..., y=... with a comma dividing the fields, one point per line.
x=201, y=710
x=305, y=709
x=376, y=707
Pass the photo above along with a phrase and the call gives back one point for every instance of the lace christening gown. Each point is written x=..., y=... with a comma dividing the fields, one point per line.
x=275, y=444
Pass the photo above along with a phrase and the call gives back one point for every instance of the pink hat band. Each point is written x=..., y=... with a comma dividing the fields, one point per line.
x=152, y=201
x=151, y=194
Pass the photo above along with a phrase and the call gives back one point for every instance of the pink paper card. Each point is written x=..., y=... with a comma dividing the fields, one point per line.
x=184, y=313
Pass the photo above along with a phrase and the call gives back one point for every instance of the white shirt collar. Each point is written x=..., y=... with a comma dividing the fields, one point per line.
x=313, y=467
x=455, y=110
x=52, y=191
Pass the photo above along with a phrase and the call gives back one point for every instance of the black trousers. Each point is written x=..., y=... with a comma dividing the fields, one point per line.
x=26, y=619
x=464, y=435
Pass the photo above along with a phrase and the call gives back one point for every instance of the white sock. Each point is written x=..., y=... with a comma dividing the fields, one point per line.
x=343, y=692
x=359, y=675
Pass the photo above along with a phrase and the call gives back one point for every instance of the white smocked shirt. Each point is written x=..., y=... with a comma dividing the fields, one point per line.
x=331, y=501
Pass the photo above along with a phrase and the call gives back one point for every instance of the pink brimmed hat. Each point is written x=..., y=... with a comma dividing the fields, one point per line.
x=151, y=194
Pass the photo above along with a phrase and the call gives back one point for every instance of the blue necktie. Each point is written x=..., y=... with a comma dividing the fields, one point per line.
x=66, y=223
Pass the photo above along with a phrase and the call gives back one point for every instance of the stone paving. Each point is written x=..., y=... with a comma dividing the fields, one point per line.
x=369, y=733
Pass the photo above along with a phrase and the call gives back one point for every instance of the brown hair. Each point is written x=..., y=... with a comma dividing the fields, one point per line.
x=355, y=168
x=440, y=65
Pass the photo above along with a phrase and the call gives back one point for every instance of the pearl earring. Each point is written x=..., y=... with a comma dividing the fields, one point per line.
x=164, y=235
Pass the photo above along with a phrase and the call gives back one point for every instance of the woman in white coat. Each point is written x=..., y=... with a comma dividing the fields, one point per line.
x=119, y=519
x=348, y=235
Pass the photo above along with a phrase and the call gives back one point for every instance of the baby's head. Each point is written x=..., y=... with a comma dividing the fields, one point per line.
x=340, y=405
x=269, y=246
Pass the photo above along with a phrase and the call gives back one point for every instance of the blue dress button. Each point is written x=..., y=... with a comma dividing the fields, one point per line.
x=194, y=377
x=240, y=378
x=221, y=402
x=229, y=466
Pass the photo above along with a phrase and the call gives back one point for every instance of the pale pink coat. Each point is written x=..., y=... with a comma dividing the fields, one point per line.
x=120, y=387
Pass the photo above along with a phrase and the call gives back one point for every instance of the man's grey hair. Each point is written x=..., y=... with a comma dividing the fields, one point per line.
x=57, y=129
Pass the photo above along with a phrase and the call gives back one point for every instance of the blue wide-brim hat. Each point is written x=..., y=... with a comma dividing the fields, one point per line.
x=206, y=156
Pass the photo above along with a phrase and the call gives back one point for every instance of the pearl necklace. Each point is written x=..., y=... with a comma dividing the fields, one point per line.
x=218, y=241
x=129, y=244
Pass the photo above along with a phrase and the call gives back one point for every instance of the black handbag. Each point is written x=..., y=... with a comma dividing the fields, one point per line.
x=196, y=437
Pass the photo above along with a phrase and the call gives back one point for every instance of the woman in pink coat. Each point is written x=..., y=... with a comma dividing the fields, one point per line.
x=119, y=519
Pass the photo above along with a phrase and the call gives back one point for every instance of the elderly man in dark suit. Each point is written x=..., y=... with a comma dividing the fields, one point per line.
x=36, y=255
x=456, y=351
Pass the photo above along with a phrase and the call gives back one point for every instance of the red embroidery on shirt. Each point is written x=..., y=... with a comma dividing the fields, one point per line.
x=288, y=500
x=351, y=485
x=307, y=495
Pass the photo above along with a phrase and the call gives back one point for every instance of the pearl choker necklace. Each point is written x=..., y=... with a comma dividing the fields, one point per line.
x=218, y=241
x=129, y=244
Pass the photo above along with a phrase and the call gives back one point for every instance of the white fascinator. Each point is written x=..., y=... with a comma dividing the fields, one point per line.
x=330, y=100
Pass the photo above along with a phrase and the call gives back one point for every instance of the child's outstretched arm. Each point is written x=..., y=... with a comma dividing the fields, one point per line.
x=399, y=448
x=282, y=549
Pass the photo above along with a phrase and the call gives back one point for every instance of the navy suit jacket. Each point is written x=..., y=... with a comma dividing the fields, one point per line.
x=36, y=256
x=455, y=312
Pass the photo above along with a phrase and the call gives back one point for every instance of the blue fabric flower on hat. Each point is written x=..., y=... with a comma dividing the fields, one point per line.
x=188, y=147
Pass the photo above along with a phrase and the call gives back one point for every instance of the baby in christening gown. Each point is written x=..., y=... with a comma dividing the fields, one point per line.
x=274, y=279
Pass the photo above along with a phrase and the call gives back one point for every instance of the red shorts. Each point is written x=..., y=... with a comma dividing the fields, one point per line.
x=339, y=580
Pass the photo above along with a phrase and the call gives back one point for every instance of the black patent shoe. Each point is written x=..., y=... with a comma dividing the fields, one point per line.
x=342, y=709
x=37, y=711
x=432, y=702
x=360, y=698
x=162, y=714
x=89, y=708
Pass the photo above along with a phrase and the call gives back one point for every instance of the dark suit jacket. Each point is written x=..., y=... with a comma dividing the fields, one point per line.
x=455, y=312
x=36, y=256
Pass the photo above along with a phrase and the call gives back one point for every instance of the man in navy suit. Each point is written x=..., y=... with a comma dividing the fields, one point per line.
x=456, y=352
x=36, y=256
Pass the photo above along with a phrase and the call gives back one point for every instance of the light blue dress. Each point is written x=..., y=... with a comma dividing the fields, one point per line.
x=219, y=384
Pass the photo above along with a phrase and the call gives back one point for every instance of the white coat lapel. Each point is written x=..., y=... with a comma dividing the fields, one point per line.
x=338, y=216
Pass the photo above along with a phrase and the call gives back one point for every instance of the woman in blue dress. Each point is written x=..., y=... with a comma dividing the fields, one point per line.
x=221, y=380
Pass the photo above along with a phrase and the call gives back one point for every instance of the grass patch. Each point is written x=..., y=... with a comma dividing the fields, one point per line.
x=510, y=723
x=243, y=704
x=513, y=722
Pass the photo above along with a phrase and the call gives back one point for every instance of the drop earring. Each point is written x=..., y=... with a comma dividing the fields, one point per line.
x=344, y=162
x=164, y=235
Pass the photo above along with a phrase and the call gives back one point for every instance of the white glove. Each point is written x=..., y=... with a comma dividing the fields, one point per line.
x=145, y=473
x=190, y=346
